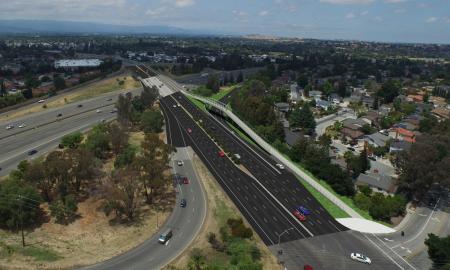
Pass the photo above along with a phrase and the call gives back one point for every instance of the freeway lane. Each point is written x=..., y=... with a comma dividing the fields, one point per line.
x=49, y=115
x=46, y=138
x=283, y=184
x=261, y=210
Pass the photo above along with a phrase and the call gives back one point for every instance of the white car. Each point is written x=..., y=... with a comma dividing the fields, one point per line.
x=180, y=163
x=280, y=166
x=22, y=125
x=174, y=105
x=41, y=101
x=8, y=127
x=98, y=111
x=360, y=258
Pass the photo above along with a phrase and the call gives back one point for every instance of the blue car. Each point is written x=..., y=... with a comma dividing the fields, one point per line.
x=303, y=210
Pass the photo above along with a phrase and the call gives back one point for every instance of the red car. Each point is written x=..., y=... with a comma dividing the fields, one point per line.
x=189, y=130
x=185, y=180
x=299, y=215
x=307, y=267
x=221, y=154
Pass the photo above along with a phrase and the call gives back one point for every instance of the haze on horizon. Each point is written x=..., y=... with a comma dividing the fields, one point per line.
x=424, y=21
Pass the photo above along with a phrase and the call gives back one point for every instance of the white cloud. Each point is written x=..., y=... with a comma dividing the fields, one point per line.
x=350, y=15
x=400, y=10
x=347, y=2
x=239, y=12
x=364, y=13
x=394, y=1
x=378, y=18
x=291, y=8
x=431, y=20
x=263, y=13
x=423, y=5
x=184, y=3
x=156, y=12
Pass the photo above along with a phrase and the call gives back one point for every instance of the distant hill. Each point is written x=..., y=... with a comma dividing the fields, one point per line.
x=48, y=26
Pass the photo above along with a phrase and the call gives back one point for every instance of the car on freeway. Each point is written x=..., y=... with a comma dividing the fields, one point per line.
x=32, y=152
x=174, y=105
x=59, y=115
x=307, y=267
x=80, y=105
x=180, y=163
x=98, y=111
x=113, y=110
x=221, y=153
x=41, y=101
x=305, y=211
x=280, y=166
x=109, y=99
x=8, y=127
x=178, y=105
x=185, y=180
x=189, y=130
x=183, y=203
x=22, y=125
x=299, y=215
x=360, y=258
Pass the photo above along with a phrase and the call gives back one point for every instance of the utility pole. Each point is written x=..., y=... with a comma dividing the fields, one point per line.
x=21, y=220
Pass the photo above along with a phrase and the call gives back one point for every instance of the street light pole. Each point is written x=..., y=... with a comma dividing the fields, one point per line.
x=279, y=239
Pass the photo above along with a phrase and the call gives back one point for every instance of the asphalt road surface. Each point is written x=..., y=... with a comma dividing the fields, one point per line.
x=269, y=212
x=185, y=224
x=44, y=130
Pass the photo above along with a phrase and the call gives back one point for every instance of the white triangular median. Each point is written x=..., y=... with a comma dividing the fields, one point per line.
x=365, y=226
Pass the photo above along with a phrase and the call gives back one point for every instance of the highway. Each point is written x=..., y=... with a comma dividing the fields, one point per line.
x=44, y=130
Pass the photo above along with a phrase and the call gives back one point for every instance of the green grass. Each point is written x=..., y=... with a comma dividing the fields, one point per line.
x=223, y=92
x=223, y=212
x=40, y=254
x=197, y=103
x=241, y=134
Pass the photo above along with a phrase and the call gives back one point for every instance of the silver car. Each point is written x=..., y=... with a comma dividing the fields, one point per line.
x=360, y=258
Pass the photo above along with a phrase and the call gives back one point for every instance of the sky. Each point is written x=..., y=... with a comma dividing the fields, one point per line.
x=373, y=20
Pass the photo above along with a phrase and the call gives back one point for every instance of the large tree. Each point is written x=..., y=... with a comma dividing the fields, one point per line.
x=439, y=251
x=390, y=90
x=303, y=118
x=149, y=96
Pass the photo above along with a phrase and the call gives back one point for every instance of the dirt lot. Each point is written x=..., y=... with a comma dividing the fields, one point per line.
x=89, y=91
x=220, y=208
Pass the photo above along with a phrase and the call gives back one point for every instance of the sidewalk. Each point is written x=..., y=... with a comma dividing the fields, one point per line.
x=365, y=226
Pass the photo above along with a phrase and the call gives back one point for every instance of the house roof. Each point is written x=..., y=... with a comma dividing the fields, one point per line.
x=405, y=132
x=381, y=181
x=378, y=138
x=442, y=112
x=352, y=133
x=322, y=103
x=353, y=123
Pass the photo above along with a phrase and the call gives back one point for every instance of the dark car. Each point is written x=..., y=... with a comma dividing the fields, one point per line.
x=80, y=105
x=185, y=180
x=59, y=115
x=305, y=211
x=32, y=152
x=351, y=148
x=183, y=203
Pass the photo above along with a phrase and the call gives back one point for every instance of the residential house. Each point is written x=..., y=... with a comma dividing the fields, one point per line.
x=296, y=93
x=438, y=101
x=406, y=125
x=371, y=118
x=323, y=104
x=281, y=108
x=441, y=113
x=351, y=128
x=367, y=101
x=377, y=139
x=335, y=99
x=384, y=109
x=397, y=146
x=415, y=98
x=377, y=182
x=399, y=133
x=316, y=95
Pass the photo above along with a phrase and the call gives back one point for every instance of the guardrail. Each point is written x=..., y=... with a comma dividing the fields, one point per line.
x=271, y=150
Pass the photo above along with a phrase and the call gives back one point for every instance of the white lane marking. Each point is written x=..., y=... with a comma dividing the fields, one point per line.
x=167, y=242
x=334, y=225
x=394, y=252
x=423, y=228
x=389, y=257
